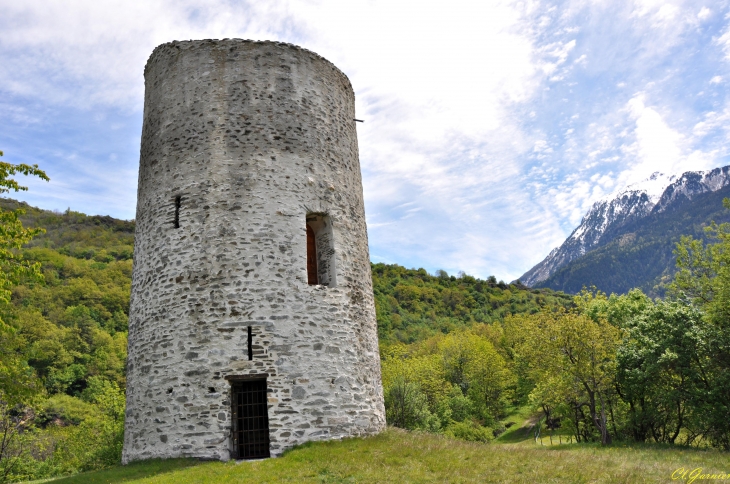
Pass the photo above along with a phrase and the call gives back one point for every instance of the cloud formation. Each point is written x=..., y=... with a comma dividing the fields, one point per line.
x=491, y=127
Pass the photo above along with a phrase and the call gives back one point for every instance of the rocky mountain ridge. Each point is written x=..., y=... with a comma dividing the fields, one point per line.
x=603, y=221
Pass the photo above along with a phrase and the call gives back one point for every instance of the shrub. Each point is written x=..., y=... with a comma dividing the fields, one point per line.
x=407, y=407
x=471, y=431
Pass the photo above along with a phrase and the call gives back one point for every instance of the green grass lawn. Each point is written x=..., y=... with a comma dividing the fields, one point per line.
x=405, y=457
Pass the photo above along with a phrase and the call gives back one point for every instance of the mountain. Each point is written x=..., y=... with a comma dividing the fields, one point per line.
x=679, y=205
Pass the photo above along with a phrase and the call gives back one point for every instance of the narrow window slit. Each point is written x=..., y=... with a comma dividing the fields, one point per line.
x=176, y=222
x=312, y=277
x=250, y=341
x=320, y=250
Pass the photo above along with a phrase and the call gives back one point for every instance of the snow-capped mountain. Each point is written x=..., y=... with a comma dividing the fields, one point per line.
x=655, y=194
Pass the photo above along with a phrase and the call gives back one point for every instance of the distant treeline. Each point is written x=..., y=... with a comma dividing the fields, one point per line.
x=413, y=305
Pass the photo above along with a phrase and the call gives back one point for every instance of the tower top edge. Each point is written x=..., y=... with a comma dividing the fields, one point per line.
x=191, y=44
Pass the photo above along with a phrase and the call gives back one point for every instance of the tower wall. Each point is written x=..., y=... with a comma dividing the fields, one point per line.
x=241, y=141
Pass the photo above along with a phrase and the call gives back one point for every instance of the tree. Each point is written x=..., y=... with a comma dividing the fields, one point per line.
x=404, y=376
x=17, y=383
x=703, y=281
x=13, y=268
x=572, y=359
x=657, y=373
x=12, y=233
x=473, y=364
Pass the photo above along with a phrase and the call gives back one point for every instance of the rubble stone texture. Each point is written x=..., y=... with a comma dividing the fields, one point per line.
x=252, y=137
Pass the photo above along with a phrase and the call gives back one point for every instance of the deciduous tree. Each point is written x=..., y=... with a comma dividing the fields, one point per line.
x=572, y=359
x=17, y=387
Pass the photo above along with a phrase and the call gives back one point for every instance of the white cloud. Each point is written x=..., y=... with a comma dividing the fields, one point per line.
x=711, y=121
x=724, y=42
x=658, y=146
x=490, y=126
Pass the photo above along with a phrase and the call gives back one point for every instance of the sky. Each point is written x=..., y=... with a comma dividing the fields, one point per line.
x=490, y=128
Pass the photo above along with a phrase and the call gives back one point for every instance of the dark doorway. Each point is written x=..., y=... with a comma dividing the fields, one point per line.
x=250, y=420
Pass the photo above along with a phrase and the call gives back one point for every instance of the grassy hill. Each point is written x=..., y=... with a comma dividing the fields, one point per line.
x=400, y=456
x=640, y=253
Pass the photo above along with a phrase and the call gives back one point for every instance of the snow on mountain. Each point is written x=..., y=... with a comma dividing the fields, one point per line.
x=657, y=193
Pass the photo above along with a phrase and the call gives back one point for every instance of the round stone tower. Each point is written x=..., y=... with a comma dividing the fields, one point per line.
x=252, y=322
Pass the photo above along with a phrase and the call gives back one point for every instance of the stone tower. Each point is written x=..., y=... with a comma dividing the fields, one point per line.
x=252, y=322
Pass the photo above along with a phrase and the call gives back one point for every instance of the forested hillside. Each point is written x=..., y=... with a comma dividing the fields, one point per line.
x=640, y=253
x=459, y=354
x=413, y=305
x=71, y=330
x=74, y=325
x=86, y=261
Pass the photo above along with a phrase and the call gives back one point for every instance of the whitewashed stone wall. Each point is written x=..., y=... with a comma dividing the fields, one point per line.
x=252, y=136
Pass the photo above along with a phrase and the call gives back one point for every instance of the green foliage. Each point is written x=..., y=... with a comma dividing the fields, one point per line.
x=456, y=407
x=18, y=389
x=71, y=434
x=657, y=374
x=703, y=281
x=74, y=326
x=90, y=237
x=412, y=305
x=7, y=169
x=470, y=431
x=62, y=410
x=457, y=383
x=406, y=406
x=96, y=443
x=571, y=359
x=671, y=368
x=64, y=334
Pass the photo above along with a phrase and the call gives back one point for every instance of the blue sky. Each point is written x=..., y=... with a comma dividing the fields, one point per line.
x=491, y=127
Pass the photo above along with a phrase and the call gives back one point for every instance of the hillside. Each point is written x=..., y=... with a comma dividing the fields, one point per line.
x=73, y=326
x=481, y=363
x=98, y=237
x=412, y=305
x=639, y=253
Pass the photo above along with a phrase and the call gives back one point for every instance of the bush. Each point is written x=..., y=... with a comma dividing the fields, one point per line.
x=63, y=410
x=75, y=435
x=455, y=407
x=471, y=431
x=407, y=407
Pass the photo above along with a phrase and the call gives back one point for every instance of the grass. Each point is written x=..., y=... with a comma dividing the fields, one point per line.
x=411, y=457
x=519, y=425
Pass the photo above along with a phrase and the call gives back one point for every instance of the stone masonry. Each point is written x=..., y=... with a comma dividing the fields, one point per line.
x=243, y=144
